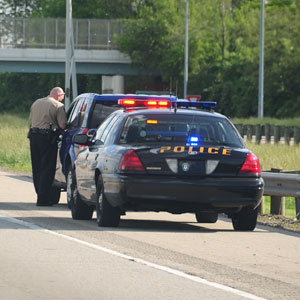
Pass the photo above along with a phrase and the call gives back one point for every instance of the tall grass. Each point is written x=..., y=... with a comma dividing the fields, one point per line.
x=14, y=145
x=277, y=156
x=272, y=121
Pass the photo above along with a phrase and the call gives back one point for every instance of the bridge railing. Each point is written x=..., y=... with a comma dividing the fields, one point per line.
x=91, y=34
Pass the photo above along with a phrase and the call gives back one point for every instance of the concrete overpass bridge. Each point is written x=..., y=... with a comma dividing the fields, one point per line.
x=38, y=46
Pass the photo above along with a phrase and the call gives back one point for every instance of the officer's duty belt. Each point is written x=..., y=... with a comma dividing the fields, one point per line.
x=40, y=130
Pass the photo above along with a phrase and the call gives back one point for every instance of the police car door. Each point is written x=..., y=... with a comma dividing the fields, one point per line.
x=87, y=160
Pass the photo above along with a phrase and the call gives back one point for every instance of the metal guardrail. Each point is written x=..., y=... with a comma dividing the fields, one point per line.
x=282, y=184
x=289, y=135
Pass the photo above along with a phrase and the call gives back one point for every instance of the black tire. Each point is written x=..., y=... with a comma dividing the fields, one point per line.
x=206, y=217
x=54, y=194
x=245, y=219
x=80, y=210
x=70, y=185
x=107, y=216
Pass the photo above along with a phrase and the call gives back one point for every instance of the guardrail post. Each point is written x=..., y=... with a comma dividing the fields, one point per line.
x=277, y=205
x=296, y=135
x=287, y=135
x=249, y=132
x=261, y=208
x=268, y=133
x=297, y=200
x=277, y=202
x=276, y=134
x=258, y=134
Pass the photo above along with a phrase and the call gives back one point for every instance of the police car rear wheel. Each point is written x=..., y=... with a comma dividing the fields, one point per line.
x=206, y=217
x=107, y=216
x=80, y=210
x=245, y=219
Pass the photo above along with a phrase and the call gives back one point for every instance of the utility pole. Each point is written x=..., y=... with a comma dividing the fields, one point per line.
x=261, y=63
x=186, y=59
x=70, y=65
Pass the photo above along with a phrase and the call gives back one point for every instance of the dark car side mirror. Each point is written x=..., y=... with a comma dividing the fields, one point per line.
x=80, y=139
x=91, y=133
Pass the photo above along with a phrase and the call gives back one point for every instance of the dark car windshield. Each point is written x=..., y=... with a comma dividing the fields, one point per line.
x=147, y=128
x=99, y=114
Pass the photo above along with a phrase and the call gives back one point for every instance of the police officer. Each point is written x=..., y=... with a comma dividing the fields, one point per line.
x=47, y=117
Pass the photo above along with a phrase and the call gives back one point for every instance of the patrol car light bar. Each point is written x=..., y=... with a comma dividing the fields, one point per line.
x=165, y=103
x=145, y=103
x=201, y=104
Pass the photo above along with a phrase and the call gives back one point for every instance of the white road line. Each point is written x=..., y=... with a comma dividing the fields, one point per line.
x=131, y=258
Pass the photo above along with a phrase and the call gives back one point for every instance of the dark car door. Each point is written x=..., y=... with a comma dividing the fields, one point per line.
x=73, y=127
x=87, y=160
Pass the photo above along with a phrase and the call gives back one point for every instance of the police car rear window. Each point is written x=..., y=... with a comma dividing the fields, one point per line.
x=179, y=128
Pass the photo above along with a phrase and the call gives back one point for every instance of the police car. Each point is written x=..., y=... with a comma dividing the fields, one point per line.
x=85, y=114
x=166, y=155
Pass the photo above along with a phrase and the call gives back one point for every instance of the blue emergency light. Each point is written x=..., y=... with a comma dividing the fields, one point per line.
x=193, y=140
x=209, y=105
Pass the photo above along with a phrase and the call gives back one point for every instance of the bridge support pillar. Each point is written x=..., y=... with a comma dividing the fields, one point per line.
x=113, y=84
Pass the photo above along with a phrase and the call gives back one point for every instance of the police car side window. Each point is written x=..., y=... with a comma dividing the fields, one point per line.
x=73, y=119
x=102, y=127
x=108, y=128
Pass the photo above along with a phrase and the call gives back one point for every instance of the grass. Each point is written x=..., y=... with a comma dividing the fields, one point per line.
x=276, y=156
x=290, y=206
x=272, y=121
x=14, y=145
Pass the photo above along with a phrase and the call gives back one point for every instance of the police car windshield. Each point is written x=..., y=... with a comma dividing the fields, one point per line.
x=179, y=128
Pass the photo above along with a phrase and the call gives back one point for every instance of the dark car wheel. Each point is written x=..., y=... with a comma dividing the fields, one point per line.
x=70, y=185
x=107, y=216
x=245, y=219
x=54, y=194
x=206, y=217
x=80, y=210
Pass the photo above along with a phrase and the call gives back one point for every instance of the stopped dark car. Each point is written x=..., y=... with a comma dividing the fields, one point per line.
x=178, y=160
x=85, y=114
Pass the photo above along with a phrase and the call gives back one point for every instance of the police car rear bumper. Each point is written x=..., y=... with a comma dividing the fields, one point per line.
x=161, y=193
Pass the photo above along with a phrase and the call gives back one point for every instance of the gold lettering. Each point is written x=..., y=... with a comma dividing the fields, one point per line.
x=201, y=150
x=163, y=149
x=226, y=152
x=213, y=150
x=179, y=149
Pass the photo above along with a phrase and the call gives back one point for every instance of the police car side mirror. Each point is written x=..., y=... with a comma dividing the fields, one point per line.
x=80, y=139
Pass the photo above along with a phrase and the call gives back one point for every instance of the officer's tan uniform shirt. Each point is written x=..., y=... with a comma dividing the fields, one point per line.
x=46, y=111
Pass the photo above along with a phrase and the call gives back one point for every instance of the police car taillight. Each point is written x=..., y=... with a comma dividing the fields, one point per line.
x=251, y=165
x=131, y=162
x=146, y=103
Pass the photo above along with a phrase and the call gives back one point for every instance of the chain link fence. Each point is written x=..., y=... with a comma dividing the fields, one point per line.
x=92, y=34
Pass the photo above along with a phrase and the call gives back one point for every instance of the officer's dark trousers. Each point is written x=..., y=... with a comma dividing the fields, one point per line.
x=43, y=161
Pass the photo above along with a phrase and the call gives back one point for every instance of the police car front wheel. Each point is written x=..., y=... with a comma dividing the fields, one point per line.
x=107, y=216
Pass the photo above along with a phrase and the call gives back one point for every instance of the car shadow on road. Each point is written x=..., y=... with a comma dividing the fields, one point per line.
x=26, y=178
x=126, y=225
